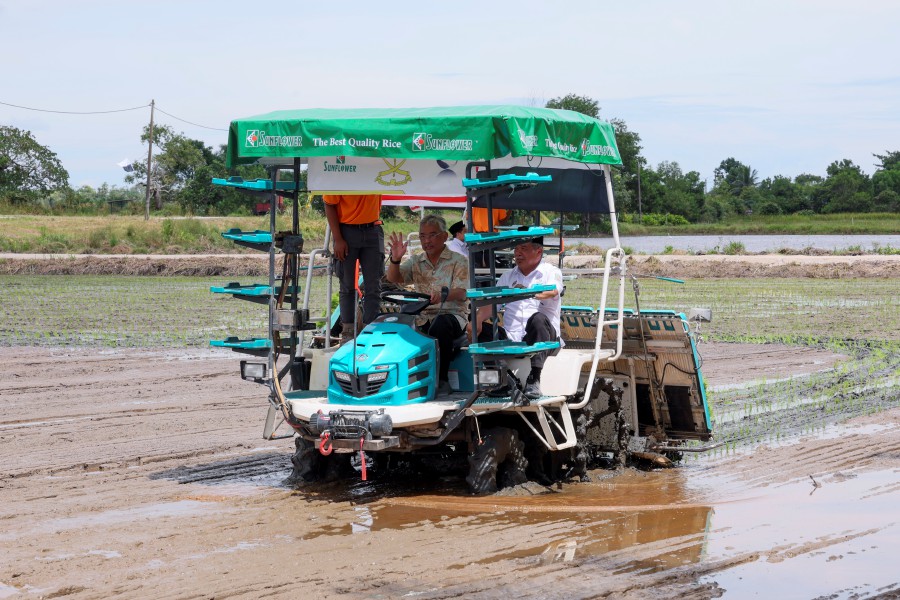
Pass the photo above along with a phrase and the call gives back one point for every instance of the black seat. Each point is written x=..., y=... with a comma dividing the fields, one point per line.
x=459, y=342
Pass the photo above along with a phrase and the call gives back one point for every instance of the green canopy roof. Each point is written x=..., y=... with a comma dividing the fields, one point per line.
x=445, y=133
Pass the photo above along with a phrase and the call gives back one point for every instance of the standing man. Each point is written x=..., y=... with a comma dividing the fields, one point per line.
x=535, y=319
x=429, y=272
x=480, y=218
x=457, y=241
x=480, y=225
x=356, y=228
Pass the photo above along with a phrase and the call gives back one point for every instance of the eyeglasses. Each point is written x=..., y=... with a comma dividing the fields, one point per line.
x=430, y=236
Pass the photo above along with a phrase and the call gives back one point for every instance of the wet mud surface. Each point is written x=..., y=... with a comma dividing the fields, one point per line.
x=142, y=474
x=669, y=265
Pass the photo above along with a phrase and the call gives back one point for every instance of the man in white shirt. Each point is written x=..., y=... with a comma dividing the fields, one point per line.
x=535, y=319
x=457, y=243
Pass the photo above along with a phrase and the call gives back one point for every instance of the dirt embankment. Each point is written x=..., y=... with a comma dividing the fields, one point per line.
x=256, y=265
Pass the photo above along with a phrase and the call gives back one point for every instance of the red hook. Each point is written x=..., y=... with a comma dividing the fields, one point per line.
x=325, y=445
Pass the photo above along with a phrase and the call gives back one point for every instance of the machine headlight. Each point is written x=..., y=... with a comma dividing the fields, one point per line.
x=341, y=376
x=253, y=371
x=376, y=377
x=489, y=377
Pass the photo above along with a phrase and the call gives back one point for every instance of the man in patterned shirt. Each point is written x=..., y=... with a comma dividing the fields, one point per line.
x=435, y=268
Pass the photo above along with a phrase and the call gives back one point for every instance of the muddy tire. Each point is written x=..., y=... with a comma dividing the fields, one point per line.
x=498, y=462
x=311, y=466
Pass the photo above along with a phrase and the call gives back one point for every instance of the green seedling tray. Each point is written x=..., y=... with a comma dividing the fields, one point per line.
x=509, y=235
x=253, y=289
x=507, y=294
x=252, y=237
x=506, y=180
x=508, y=348
x=237, y=343
x=260, y=185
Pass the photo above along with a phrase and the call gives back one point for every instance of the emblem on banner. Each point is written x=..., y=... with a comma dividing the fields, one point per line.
x=393, y=176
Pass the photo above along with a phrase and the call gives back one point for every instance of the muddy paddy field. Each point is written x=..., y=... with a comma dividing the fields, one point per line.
x=133, y=464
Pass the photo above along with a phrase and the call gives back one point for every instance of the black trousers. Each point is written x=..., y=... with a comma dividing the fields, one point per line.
x=446, y=329
x=538, y=328
x=365, y=244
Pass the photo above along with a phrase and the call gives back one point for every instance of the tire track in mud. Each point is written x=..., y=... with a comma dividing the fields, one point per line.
x=858, y=451
x=237, y=469
x=70, y=412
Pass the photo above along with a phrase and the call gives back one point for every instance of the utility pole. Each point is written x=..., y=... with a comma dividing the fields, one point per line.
x=640, y=213
x=149, y=158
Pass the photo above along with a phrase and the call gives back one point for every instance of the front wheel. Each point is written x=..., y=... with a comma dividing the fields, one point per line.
x=311, y=466
x=498, y=462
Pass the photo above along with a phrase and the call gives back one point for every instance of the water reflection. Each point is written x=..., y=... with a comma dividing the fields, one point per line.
x=655, y=244
x=631, y=509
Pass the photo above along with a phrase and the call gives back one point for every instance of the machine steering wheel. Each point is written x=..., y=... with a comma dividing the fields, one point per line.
x=410, y=303
x=402, y=297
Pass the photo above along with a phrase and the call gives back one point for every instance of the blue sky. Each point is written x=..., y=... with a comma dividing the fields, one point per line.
x=785, y=86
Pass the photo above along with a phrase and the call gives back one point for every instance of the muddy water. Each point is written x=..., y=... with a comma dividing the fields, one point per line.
x=740, y=536
x=841, y=537
x=163, y=502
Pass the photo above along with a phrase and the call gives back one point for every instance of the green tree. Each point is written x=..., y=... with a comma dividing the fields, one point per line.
x=886, y=201
x=806, y=185
x=684, y=192
x=846, y=189
x=668, y=190
x=582, y=104
x=175, y=161
x=889, y=161
x=886, y=182
x=783, y=193
x=629, y=144
x=199, y=196
x=28, y=170
x=732, y=176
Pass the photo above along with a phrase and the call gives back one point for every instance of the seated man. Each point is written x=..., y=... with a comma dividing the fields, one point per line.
x=435, y=268
x=535, y=319
x=457, y=241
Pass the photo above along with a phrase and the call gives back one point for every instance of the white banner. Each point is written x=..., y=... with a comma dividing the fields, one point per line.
x=407, y=182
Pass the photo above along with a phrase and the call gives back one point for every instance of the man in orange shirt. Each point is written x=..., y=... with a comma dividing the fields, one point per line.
x=480, y=218
x=480, y=225
x=356, y=229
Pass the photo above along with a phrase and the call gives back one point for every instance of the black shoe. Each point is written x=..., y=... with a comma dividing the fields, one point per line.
x=499, y=392
x=532, y=390
x=443, y=388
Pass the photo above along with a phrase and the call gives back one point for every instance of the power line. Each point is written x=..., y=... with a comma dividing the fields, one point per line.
x=103, y=112
x=189, y=122
x=72, y=112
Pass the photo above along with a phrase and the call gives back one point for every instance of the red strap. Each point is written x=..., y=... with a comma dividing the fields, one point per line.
x=362, y=457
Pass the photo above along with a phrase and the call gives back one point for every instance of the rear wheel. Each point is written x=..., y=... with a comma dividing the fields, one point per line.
x=498, y=462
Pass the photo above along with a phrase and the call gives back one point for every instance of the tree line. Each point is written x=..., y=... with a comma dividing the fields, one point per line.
x=32, y=177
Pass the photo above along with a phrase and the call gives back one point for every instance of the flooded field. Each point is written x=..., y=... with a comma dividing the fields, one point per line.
x=137, y=470
x=655, y=244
